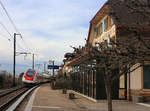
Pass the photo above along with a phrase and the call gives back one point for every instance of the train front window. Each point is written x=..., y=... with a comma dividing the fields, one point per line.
x=30, y=73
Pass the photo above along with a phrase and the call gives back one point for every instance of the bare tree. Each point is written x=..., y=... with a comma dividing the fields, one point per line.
x=131, y=46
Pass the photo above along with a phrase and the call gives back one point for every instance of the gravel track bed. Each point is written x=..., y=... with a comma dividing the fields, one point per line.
x=22, y=106
x=11, y=95
x=2, y=91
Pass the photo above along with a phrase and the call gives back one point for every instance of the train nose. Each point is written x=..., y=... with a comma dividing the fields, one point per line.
x=29, y=78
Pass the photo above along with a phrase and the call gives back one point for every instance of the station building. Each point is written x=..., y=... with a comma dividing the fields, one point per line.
x=104, y=27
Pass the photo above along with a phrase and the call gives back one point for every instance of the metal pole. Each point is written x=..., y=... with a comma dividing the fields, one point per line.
x=129, y=86
x=53, y=68
x=14, y=65
x=44, y=67
x=148, y=1
x=33, y=62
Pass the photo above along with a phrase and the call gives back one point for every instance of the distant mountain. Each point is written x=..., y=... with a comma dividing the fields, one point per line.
x=8, y=67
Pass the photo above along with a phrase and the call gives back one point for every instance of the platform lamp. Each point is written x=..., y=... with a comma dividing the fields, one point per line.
x=52, y=61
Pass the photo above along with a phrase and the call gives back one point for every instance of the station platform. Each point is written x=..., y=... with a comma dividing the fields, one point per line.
x=46, y=99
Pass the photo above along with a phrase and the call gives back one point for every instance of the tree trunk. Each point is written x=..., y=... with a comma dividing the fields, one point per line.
x=148, y=1
x=108, y=92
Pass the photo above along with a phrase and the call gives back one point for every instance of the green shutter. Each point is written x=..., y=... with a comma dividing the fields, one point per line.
x=101, y=28
x=112, y=22
x=95, y=32
x=105, y=24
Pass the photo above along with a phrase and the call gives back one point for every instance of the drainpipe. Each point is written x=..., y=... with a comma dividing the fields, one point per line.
x=129, y=86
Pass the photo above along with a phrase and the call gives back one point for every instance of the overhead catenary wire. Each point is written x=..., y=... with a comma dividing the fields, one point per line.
x=20, y=47
x=6, y=29
x=1, y=35
x=10, y=19
x=9, y=39
x=26, y=45
x=14, y=26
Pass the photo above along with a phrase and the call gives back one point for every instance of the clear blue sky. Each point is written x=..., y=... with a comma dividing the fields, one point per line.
x=48, y=27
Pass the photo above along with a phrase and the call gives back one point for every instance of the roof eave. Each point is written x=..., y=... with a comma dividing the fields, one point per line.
x=99, y=12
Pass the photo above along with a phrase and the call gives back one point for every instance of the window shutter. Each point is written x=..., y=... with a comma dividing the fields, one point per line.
x=95, y=32
x=105, y=24
x=112, y=22
x=101, y=28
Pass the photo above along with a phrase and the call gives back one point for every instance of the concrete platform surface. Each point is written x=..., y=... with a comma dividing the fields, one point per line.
x=46, y=99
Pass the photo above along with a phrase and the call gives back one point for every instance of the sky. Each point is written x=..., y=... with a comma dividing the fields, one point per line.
x=48, y=28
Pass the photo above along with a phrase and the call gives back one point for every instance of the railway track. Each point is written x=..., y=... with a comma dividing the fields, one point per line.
x=5, y=90
x=10, y=101
x=9, y=91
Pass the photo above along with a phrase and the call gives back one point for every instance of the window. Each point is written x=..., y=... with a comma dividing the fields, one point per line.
x=111, y=22
x=30, y=73
x=95, y=32
x=105, y=24
x=146, y=76
x=101, y=28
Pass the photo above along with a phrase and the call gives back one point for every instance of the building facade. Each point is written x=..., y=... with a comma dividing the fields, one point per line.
x=104, y=27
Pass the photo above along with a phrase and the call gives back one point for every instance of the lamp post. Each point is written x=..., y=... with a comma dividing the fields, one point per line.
x=33, y=61
x=52, y=61
x=0, y=65
x=44, y=67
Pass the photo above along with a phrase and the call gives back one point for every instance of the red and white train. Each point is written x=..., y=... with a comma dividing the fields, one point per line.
x=32, y=77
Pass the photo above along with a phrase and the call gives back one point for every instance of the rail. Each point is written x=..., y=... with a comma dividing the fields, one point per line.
x=9, y=91
x=19, y=101
x=12, y=98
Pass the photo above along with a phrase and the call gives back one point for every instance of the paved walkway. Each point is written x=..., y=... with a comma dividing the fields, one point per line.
x=46, y=99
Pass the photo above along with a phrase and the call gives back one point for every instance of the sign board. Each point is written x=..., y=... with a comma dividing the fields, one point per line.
x=53, y=67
